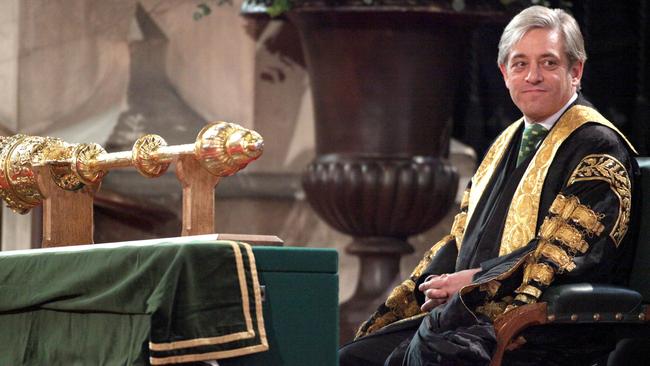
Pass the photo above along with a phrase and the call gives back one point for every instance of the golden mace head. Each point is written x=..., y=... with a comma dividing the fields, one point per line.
x=225, y=148
x=19, y=154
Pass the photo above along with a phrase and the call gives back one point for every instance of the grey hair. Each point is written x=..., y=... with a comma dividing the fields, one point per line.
x=542, y=17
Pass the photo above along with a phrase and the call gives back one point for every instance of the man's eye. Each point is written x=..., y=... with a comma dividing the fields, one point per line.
x=518, y=65
x=550, y=63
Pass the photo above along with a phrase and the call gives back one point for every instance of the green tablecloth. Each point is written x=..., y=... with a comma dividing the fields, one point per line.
x=129, y=304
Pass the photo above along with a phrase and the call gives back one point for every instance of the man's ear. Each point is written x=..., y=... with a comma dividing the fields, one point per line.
x=504, y=73
x=576, y=72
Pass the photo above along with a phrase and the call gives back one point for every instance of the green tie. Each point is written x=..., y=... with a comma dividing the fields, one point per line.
x=532, y=135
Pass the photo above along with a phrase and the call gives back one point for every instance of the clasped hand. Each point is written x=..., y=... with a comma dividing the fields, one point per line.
x=438, y=289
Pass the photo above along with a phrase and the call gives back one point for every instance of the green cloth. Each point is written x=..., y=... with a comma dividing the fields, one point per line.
x=533, y=134
x=130, y=304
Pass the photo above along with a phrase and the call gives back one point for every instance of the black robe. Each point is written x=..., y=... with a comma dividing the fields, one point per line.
x=592, y=171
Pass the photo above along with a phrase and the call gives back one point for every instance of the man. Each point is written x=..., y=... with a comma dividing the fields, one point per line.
x=550, y=203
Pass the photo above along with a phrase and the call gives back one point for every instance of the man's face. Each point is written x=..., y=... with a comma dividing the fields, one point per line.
x=538, y=75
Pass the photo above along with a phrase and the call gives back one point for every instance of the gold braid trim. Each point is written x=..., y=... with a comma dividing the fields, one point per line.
x=529, y=290
x=428, y=256
x=556, y=255
x=489, y=165
x=464, y=203
x=570, y=209
x=458, y=227
x=525, y=299
x=492, y=309
x=490, y=288
x=554, y=228
x=607, y=168
x=541, y=273
x=401, y=302
x=460, y=220
x=521, y=221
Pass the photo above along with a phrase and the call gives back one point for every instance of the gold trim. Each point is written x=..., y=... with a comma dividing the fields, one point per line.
x=556, y=255
x=195, y=342
x=492, y=309
x=248, y=333
x=607, y=168
x=564, y=206
x=428, y=256
x=541, y=273
x=464, y=203
x=418, y=315
x=458, y=227
x=521, y=220
x=529, y=290
x=400, y=299
x=525, y=299
x=466, y=289
x=491, y=287
x=489, y=164
x=569, y=208
x=554, y=228
x=207, y=356
x=401, y=303
x=257, y=293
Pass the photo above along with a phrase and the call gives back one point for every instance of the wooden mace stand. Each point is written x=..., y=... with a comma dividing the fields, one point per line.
x=68, y=215
x=198, y=196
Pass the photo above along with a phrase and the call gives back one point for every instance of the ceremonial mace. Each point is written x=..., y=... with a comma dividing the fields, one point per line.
x=64, y=177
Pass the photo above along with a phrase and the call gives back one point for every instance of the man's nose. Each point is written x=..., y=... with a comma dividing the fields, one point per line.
x=534, y=75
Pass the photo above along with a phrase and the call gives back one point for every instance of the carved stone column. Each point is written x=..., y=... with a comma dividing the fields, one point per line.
x=383, y=83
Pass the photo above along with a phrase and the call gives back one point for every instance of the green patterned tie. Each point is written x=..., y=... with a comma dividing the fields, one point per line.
x=532, y=135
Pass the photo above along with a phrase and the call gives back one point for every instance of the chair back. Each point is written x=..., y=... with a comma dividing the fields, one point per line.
x=640, y=274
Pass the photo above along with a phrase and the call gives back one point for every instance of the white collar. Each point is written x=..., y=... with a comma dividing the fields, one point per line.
x=550, y=121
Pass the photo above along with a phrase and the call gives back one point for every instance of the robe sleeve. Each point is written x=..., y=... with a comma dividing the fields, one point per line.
x=583, y=228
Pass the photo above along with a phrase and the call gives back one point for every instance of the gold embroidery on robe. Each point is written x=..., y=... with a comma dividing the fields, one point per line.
x=541, y=273
x=570, y=209
x=554, y=228
x=490, y=288
x=428, y=256
x=557, y=228
x=492, y=309
x=401, y=302
x=556, y=255
x=525, y=299
x=464, y=203
x=458, y=227
x=529, y=290
x=521, y=221
x=607, y=168
x=489, y=165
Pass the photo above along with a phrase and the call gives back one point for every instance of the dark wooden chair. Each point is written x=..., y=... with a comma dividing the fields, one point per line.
x=625, y=309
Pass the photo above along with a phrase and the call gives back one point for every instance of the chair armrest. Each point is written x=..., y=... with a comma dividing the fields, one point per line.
x=586, y=303
x=572, y=303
